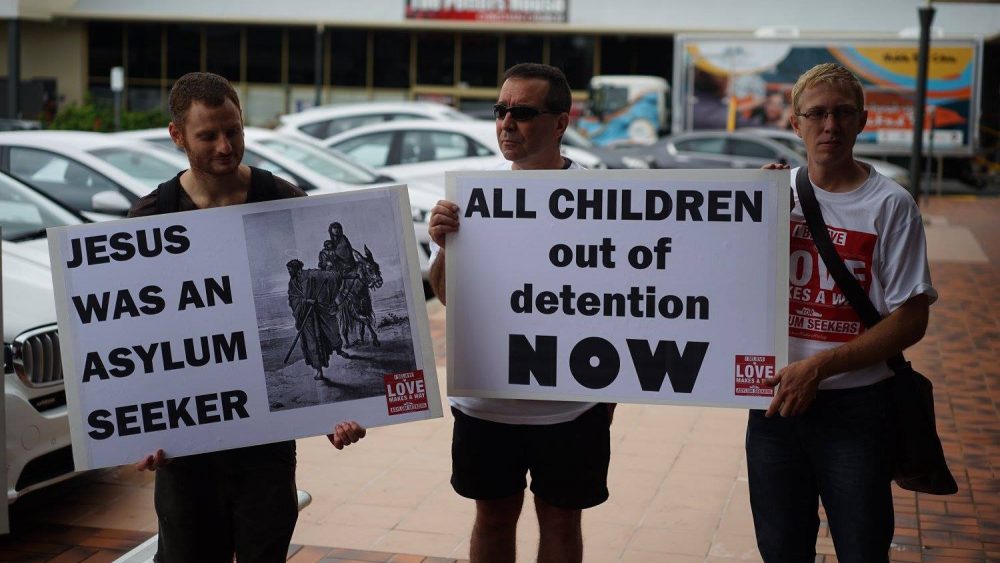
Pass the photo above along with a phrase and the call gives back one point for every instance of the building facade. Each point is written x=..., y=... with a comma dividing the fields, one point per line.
x=283, y=55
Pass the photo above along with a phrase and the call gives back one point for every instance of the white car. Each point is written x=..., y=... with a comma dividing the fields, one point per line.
x=323, y=122
x=38, y=440
x=315, y=170
x=97, y=174
x=424, y=150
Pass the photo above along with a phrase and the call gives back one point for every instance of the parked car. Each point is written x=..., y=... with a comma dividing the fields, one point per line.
x=38, y=440
x=745, y=148
x=611, y=157
x=896, y=173
x=323, y=122
x=424, y=150
x=316, y=170
x=97, y=174
x=319, y=124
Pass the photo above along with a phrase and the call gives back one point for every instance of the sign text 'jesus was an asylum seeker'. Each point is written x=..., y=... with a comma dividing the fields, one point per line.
x=242, y=325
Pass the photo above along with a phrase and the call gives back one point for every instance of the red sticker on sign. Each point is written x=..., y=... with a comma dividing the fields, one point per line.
x=405, y=392
x=750, y=374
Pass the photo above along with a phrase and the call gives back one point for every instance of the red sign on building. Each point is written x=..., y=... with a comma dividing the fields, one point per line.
x=530, y=11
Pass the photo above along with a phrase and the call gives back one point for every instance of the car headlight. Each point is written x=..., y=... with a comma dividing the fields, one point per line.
x=635, y=162
x=419, y=214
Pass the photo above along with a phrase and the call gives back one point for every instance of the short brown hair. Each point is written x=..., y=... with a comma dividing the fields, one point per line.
x=559, y=97
x=828, y=73
x=205, y=87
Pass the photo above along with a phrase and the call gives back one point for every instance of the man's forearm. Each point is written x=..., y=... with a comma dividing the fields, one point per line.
x=436, y=276
x=903, y=328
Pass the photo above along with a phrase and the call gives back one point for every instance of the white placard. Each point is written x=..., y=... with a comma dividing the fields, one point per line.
x=665, y=286
x=175, y=328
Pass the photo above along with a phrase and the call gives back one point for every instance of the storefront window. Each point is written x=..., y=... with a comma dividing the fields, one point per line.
x=436, y=58
x=264, y=54
x=479, y=59
x=105, y=48
x=183, y=49
x=523, y=49
x=637, y=55
x=141, y=98
x=302, y=55
x=222, y=51
x=655, y=55
x=144, y=42
x=392, y=60
x=574, y=54
x=349, y=55
x=617, y=55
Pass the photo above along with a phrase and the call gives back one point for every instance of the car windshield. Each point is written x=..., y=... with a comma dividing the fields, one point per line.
x=321, y=161
x=25, y=214
x=144, y=166
x=794, y=144
x=456, y=115
x=574, y=138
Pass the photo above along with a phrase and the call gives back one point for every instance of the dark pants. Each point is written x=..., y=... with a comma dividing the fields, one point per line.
x=839, y=450
x=240, y=501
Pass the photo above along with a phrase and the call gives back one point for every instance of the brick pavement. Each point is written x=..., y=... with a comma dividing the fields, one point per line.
x=102, y=515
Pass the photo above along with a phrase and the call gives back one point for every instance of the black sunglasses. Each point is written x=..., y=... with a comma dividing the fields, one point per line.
x=518, y=113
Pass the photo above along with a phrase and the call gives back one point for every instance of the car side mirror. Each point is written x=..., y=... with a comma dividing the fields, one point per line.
x=110, y=201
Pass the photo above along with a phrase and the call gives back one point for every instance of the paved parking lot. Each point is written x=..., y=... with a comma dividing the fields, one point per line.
x=678, y=475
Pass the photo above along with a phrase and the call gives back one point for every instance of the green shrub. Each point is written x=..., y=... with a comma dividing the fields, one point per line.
x=100, y=117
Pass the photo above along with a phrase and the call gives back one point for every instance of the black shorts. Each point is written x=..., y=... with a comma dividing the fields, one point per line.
x=243, y=501
x=568, y=461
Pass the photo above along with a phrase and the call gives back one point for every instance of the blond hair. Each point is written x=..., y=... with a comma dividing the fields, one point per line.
x=828, y=73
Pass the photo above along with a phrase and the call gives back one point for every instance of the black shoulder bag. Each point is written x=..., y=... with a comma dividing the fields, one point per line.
x=918, y=458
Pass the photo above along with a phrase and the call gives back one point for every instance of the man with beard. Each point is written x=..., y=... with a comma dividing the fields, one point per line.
x=241, y=501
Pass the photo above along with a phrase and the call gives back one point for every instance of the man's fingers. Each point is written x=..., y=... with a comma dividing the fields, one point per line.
x=776, y=402
x=444, y=220
x=152, y=461
x=346, y=433
x=335, y=440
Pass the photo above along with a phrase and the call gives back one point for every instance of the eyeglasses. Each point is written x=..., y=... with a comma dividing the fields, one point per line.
x=842, y=113
x=518, y=113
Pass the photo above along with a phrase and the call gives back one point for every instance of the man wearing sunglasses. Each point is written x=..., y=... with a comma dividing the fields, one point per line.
x=496, y=442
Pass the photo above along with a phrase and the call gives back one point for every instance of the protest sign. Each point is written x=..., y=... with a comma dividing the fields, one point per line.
x=666, y=286
x=233, y=326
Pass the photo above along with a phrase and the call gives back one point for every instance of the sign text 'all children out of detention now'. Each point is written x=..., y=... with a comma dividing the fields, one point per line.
x=667, y=286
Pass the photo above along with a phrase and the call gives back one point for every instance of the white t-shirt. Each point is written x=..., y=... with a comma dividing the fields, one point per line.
x=878, y=232
x=517, y=411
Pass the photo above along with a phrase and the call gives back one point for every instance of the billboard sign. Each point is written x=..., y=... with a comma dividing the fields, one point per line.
x=722, y=83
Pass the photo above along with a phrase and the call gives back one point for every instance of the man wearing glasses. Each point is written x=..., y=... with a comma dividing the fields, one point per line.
x=827, y=432
x=496, y=442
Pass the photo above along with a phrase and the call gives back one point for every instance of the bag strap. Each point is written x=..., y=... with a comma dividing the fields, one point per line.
x=263, y=186
x=847, y=283
x=168, y=196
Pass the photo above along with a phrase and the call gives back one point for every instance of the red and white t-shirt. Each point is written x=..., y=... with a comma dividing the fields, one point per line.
x=878, y=232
